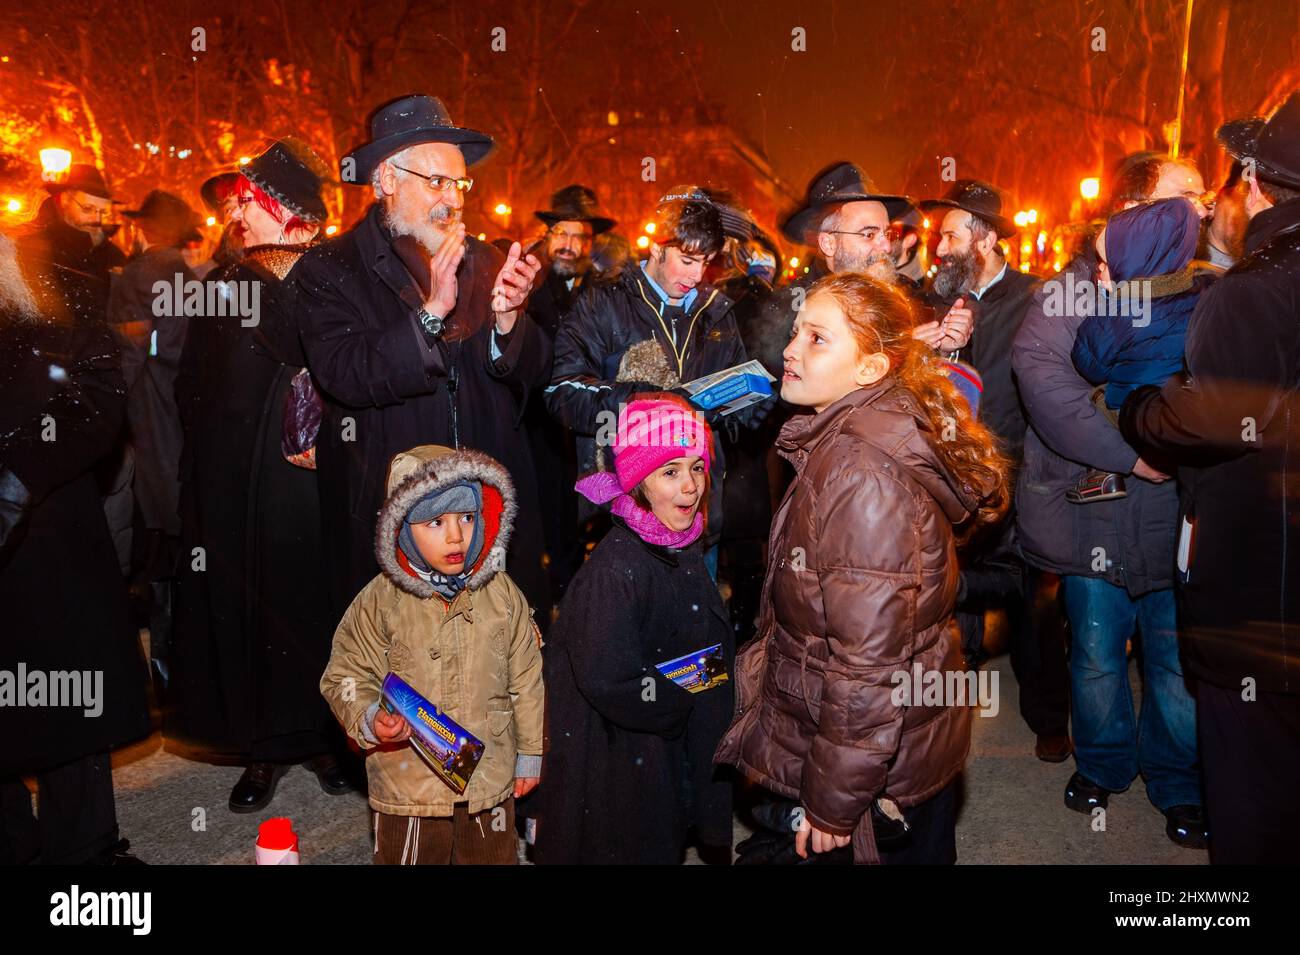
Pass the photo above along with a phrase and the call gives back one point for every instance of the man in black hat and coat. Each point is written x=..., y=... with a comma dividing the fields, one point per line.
x=1227, y=423
x=70, y=249
x=573, y=221
x=416, y=334
x=846, y=219
x=151, y=353
x=973, y=271
x=67, y=620
x=73, y=242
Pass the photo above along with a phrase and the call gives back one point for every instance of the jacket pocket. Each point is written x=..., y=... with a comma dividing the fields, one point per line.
x=500, y=717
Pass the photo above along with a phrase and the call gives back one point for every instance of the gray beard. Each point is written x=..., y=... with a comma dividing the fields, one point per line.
x=568, y=268
x=958, y=275
x=877, y=265
x=17, y=304
x=424, y=231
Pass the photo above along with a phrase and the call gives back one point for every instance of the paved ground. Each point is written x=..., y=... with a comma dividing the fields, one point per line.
x=173, y=809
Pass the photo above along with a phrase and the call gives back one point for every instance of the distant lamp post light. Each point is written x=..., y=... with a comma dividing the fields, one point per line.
x=650, y=228
x=643, y=242
x=1090, y=188
x=502, y=209
x=211, y=220
x=54, y=162
x=794, y=261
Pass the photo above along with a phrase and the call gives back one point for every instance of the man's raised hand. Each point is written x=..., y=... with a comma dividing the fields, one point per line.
x=512, y=285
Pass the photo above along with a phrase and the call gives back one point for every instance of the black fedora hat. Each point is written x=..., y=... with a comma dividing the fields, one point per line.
x=82, y=177
x=979, y=199
x=293, y=175
x=168, y=214
x=410, y=121
x=210, y=191
x=575, y=203
x=1273, y=144
x=836, y=184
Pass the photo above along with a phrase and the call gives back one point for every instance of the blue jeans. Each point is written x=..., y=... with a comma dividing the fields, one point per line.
x=1108, y=748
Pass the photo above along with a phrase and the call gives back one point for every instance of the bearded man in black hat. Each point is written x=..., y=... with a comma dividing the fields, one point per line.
x=1227, y=422
x=972, y=269
x=416, y=334
x=846, y=219
x=72, y=239
x=572, y=222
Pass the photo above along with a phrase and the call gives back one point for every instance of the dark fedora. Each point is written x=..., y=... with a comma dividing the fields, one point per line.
x=979, y=199
x=213, y=187
x=836, y=184
x=1273, y=144
x=575, y=204
x=82, y=177
x=293, y=175
x=410, y=121
x=165, y=214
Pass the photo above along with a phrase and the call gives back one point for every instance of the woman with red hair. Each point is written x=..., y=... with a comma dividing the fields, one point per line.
x=253, y=627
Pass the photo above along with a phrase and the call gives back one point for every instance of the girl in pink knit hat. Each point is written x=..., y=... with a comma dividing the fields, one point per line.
x=638, y=664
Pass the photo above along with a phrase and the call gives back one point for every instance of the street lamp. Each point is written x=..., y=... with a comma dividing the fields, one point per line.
x=54, y=162
x=502, y=209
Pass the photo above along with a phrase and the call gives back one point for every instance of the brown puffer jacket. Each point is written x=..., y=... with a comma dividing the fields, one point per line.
x=861, y=581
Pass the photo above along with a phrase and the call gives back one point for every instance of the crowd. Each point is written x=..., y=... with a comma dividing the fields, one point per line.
x=305, y=463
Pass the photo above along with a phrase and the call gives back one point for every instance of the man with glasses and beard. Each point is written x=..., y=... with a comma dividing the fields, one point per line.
x=572, y=223
x=416, y=334
x=847, y=220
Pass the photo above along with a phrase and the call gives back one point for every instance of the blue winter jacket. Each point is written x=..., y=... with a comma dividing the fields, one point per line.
x=1125, y=348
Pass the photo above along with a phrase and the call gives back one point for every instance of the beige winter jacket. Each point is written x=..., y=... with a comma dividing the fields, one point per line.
x=478, y=659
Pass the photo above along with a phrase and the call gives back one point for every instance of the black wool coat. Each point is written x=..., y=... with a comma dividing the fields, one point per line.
x=628, y=763
x=386, y=391
x=1231, y=423
x=62, y=595
x=253, y=623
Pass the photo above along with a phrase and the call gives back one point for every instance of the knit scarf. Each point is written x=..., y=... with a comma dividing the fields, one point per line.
x=603, y=487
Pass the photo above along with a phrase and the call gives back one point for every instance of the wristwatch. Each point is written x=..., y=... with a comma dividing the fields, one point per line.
x=432, y=324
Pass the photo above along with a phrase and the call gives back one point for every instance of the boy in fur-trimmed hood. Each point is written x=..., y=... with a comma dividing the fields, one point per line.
x=444, y=616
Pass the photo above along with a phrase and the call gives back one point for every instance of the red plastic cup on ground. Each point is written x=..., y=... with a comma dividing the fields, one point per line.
x=277, y=843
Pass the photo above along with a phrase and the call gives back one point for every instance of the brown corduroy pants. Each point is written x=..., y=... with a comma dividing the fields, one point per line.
x=481, y=838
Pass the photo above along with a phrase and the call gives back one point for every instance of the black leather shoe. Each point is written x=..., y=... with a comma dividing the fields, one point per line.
x=1083, y=795
x=330, y=775
x=116, y=854
x=1053, y=749
x=256, y=787
x=1186, y=826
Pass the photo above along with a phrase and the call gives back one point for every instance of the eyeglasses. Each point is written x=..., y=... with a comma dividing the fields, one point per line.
x=569, y=236
x=871, y=233
x=440, y=183
x=91, y=209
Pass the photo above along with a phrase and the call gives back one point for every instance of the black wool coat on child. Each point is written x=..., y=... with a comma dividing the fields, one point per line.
x=628, y=764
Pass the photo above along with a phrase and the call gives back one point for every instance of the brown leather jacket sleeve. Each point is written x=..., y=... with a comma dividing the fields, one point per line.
x=867, y=567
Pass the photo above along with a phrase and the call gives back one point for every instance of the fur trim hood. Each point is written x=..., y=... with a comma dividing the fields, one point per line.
x=421, y=471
